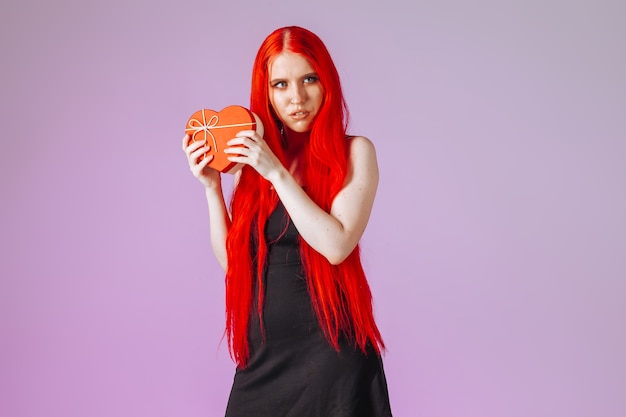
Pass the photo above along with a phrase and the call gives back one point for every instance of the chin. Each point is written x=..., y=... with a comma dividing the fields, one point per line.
x=299, y=127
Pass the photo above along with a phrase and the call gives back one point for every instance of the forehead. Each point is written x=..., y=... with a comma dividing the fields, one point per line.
x=289, y=65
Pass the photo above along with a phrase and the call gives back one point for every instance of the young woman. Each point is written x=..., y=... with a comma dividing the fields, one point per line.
x=299, y=315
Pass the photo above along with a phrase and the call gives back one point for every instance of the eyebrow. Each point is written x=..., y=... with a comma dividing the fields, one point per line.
x=311, y=74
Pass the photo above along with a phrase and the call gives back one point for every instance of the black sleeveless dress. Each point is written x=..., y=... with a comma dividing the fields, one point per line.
x=295, y=372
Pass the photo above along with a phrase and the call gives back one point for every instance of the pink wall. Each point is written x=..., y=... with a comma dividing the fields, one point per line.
x=495, y=250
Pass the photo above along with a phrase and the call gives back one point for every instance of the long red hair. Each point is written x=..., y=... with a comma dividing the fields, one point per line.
x=340, y=294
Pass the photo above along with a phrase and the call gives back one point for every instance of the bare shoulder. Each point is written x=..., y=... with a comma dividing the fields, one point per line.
x=361, y=144
x=362, y=152
x=363, y=166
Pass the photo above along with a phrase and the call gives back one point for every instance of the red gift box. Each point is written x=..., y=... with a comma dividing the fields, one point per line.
x=217, y=128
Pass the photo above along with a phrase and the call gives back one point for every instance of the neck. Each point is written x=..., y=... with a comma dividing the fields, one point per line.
x=295, y=143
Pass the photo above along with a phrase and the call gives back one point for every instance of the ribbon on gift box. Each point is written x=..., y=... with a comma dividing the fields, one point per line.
x=196, y=126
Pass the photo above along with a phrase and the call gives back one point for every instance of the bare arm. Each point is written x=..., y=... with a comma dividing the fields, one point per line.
x=219, y=224
x=219, y=218
x=334, y=234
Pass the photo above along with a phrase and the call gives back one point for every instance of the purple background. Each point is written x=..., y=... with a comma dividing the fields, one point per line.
x=496, y=248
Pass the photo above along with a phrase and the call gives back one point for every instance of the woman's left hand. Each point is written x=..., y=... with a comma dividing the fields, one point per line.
x=249, y=148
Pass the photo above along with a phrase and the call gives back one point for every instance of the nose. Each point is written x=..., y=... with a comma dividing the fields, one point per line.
x=298, y=94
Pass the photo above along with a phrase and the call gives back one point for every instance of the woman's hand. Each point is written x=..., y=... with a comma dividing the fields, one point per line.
x=249, y=148
x=208, y=176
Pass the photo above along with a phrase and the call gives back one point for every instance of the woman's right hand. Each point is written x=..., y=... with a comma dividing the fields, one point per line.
x=208, y=176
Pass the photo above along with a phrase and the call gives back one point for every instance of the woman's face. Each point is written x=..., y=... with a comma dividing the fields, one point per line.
x=295, y=91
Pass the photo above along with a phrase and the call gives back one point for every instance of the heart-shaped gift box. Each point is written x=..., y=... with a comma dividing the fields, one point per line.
x=217, y=128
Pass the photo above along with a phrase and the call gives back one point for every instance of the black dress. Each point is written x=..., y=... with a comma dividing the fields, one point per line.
x=295, y=372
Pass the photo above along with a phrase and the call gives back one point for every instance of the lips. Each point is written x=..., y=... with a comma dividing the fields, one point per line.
x=299, y=115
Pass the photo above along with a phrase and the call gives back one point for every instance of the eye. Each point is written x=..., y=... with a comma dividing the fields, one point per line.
x=311, y=79
x=279, y=84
